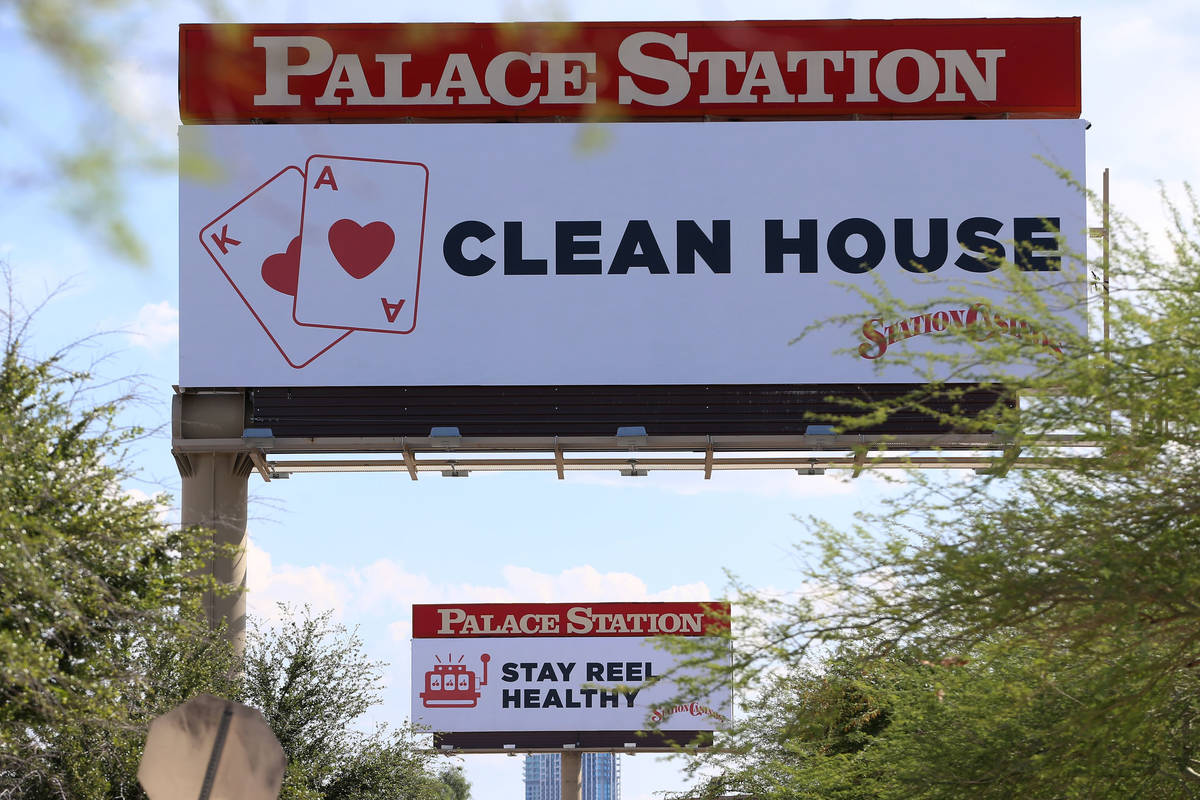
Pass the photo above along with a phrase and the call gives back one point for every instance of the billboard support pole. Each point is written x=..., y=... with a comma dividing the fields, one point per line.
x=215, y=497
x=571, y=775
x=1104, y=263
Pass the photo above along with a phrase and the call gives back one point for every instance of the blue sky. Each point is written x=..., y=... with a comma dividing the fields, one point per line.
x=368, y=546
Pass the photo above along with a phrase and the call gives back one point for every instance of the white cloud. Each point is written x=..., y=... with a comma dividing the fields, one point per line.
x=146, y=99
x=322, y=587
x=586, y=583
x=163, y=512
x=155, y=328
x=386, y=588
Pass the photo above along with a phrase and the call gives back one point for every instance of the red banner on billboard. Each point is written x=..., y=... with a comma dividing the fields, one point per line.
x=878, y=69
x=472, y=620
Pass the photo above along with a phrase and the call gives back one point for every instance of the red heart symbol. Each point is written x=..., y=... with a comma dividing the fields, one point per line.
x=360, y=249
x=281, y=270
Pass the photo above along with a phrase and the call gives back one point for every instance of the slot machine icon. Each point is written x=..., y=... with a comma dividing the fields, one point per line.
x=453, y=685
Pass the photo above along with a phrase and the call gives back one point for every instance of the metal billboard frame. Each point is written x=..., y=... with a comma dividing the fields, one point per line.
x=629, y=451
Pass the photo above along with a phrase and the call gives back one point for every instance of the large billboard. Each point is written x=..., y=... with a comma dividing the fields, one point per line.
x=615, y=254
x=512, y=670
x=626, y=70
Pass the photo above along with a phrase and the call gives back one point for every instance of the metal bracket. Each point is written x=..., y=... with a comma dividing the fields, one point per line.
x=260, y=463
x=410, y=461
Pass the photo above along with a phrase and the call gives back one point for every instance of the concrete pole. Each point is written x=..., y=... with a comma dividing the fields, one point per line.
x=215, y=497
x=570, y=782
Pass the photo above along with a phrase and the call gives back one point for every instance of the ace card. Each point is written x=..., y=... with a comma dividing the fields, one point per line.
x=256, y=245
x=362, y=229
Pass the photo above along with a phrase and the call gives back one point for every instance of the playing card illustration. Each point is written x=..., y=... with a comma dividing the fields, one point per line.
x=361, y=238
x=256, y=245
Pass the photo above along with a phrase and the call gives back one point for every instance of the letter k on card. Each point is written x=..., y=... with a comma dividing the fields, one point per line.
x=361, y=235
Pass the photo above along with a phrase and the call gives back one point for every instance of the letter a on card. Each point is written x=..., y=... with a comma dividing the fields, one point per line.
x=362, y=231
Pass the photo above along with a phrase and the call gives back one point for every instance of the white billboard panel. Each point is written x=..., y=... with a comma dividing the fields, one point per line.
x=554, y=684
x=638, y=253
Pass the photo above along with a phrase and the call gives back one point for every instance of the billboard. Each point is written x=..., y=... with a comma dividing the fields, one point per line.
x=519, y=670
x=615, y=254
x=626, y=70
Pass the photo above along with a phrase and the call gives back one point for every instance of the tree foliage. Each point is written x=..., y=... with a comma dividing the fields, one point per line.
x=452, y=784
x=99, y=622
x=100, y=49
x=1032, y=632
x=313, y=684
x=101, y=629
x=1005, y=721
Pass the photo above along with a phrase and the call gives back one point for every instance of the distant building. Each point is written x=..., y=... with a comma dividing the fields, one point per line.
x=600, y=778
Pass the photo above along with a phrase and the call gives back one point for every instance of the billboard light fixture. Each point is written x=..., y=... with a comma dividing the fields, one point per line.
x=819, y=430
x=813, y=469
x=261, y=438
x=631, y=430
x=444, y=432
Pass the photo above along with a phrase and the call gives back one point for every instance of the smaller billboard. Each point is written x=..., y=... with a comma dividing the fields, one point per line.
x=513, y=671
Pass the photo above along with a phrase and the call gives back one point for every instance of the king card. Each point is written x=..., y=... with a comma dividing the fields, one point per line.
x=256, y=245
x=362, y=229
